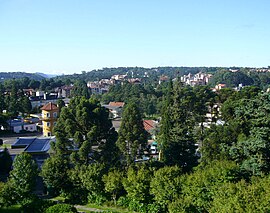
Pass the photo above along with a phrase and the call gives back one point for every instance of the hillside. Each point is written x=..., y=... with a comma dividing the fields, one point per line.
x=16, y=75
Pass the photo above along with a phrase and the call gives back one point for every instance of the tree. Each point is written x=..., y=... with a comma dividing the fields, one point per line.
x=60, y=104
x=114, y=183
x=80, y=89
x=199, y=187
x=5, y=161
x=13, y=106
x=82, y=125
x=61, y=208
x=22, y=180
x=166, y=123
x=132, y=137
x=137, y=185
x=55, y=174
x=166, y=185
x=91, y=179
x=179, y=146
x=2, y=99
x=26, y=106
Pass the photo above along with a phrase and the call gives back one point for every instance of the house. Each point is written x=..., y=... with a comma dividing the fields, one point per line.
x=37, y=147
x=220, y=86
x=64, y=91
x=50, y=113
x=115, y=109
x=163, y=78
x=19, y=125
x=150, y=126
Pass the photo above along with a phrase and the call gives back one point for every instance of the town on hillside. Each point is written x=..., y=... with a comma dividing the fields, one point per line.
x=142, y=140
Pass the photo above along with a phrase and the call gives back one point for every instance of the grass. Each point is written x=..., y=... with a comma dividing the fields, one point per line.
x=12, y=209
x=105, y=208
x=109, y=208
x=6, y=145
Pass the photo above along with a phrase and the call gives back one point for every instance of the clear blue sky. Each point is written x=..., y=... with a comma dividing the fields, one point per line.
x=68, y=36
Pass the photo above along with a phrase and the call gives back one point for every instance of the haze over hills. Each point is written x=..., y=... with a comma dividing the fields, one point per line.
x=16, y=75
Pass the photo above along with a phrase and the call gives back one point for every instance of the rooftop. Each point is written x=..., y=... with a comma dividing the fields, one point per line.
x=49, y=106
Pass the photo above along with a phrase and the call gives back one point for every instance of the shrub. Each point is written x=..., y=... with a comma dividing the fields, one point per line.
x=61, y=208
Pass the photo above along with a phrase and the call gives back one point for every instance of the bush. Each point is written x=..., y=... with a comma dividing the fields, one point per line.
x=36, y=205
x=61, y=208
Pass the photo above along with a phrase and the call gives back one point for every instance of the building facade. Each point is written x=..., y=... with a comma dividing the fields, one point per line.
x=50, y=113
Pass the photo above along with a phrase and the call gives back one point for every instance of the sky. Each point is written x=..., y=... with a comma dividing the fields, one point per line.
x=70, y=36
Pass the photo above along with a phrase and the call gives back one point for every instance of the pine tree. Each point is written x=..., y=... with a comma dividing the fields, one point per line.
x=82, y=125
x=80, y=89
x=164, y=136
x=132, y=135
x=178, y=141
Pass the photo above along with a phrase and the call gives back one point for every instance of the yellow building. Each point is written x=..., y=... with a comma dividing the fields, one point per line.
x=50, y=113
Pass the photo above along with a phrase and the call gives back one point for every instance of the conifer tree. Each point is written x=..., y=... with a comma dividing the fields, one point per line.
x=82, y=125
x=178, y=141
x=132, y=135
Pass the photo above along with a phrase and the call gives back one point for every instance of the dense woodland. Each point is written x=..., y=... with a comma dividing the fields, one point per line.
x=220, y=168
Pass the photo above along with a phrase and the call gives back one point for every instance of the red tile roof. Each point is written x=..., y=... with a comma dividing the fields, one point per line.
x=49, y=106
x=149, y=125
x=117, y=104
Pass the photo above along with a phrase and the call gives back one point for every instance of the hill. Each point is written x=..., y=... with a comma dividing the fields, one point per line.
x=17, y=75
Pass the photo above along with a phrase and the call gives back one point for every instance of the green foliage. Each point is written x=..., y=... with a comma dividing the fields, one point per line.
x=242, y=197
x=61, y=208
x=5, y=162
x=113, y=183
x=176, y=137
x=55, y=174
x=232, y=79
x=80, y=89
x=88, y=124
x=166, y=185
x=198, y=188
x=132, y=137
x=91, y=179
x=137, y=185
x=36, y=205
x=21, y=182
x=244, y=138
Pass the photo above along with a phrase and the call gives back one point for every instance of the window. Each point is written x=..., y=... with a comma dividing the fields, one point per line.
x=49, y=134
x=55, y=114
x=48, y=115
x=54, y=123
x=26, y=128
x=48, y=124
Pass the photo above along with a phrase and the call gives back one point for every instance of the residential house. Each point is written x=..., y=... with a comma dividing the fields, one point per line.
x=38, y=147
x=19, y=125
x=50, y=113
x=115, y=108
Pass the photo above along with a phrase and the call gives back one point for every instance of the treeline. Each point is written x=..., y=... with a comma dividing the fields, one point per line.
x=148, y=96
x=18, y=75
x=138, y=72
x=244, y=76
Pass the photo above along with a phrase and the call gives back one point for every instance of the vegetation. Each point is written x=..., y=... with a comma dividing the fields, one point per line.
x=216, y=165
x=132, y=137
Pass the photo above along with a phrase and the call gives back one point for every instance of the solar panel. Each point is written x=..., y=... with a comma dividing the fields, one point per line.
x=38, y=145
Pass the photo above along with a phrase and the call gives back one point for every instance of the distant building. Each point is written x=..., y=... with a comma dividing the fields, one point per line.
x=150, y=126
x=163, y=78
x=50, y=113
x=64, y=91
x=197, y=79
x=37, y=147
x=115, y=109
x=19, y=125
x=220, y=86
